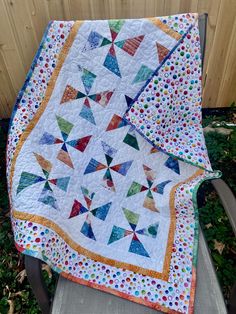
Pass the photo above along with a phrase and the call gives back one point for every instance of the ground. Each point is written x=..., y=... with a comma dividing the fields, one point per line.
x=15, y=293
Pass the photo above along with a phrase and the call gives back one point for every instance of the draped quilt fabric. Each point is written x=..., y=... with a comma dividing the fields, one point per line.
x=105, y=155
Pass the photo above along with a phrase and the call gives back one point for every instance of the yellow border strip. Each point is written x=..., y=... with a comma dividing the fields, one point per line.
x=165, y=28
x=75, y=246
x=192, y=291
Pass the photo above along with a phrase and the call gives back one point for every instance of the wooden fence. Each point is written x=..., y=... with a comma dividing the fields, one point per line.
x=22, y=23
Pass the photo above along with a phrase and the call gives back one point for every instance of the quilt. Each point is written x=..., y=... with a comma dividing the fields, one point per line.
x=106, y=153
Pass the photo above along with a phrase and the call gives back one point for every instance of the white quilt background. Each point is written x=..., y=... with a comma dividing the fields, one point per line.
x=27, y=200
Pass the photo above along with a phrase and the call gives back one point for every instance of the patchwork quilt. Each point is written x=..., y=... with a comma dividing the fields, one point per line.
x=105, y=155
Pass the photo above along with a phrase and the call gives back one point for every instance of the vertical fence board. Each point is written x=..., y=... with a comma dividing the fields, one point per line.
x=171, y=7
x=217, y=60
x=188, y=6
x=23, y=29
x=24, y=22
x=7, y=93
x=55, y=9
x=149, y=8
x=39, y=16
x=180, y=6
x=86, y=9
x=10, y=55
x=212, y=8
x=119, y=11
x=228, y=82
x=66, y=9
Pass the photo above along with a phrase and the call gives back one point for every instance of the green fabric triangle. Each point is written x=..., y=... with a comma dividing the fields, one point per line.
x=116, y=25
x=105, y=42
x=64, y=125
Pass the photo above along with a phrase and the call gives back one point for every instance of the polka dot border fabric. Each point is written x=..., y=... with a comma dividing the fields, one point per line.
x=180, y=23
x=168, y=110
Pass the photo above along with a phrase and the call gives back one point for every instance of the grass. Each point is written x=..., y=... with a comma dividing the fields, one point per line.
x=15, y=293
x=215, y=224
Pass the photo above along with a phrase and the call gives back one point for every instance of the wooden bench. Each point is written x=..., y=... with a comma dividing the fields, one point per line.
x=72, y=298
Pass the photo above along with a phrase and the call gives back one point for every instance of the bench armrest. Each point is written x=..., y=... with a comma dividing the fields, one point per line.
x=228, y=200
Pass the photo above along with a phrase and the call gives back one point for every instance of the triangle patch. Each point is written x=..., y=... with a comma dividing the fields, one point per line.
x=162, y=52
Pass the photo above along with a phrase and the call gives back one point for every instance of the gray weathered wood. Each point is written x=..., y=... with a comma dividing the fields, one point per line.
x=33, y=268
x=72, y=298
x=228, y=200
x=202, y=24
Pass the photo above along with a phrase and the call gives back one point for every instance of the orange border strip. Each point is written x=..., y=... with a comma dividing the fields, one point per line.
x=166, y=269
x=165, y=28
x=192, y=291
